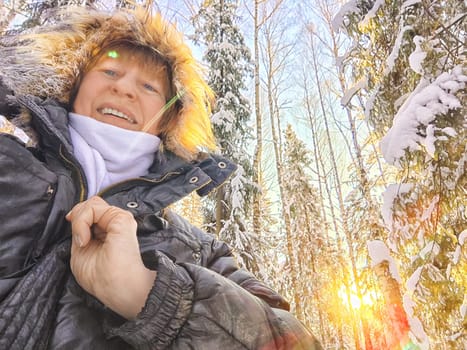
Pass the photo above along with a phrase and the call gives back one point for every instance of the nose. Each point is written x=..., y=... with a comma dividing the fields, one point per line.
x=124, y=86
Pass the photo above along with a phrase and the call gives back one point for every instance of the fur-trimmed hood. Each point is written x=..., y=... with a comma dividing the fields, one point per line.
x=48, y=61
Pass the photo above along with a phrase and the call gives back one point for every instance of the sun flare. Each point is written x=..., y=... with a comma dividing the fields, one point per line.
x=353, y=300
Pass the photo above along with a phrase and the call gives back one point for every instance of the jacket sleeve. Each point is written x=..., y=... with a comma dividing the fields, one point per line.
x=217, y=256
x=192, y=307
x=223, y=262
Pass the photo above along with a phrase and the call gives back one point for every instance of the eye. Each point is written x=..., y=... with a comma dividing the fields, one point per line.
x=149, y=87
x=110, y=72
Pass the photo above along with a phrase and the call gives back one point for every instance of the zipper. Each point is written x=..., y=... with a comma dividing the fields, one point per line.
x=37, y=110
x=108, y=190
x=82, y=192
x=45, y=124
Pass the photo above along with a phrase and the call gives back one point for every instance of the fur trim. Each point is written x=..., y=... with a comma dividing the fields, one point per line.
x=47, y=62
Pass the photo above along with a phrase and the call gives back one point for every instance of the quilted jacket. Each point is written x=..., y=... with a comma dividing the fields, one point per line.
x=200, y=299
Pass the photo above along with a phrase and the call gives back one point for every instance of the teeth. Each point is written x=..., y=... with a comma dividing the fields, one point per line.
x=117, y=113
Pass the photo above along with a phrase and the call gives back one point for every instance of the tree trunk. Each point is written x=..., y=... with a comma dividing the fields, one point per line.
x=220, y=212
x=272, y=51
x=339, y=193
x=325, y=193
x=397, y=323
x=257, y=228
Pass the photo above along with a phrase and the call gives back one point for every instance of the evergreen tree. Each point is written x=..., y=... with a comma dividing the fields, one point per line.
x=190, y=207
x=229, y=66
x=412, y=56
x=307, y=246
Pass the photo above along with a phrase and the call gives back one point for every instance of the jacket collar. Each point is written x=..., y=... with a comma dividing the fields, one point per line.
x=50, y=119
x=215, y=167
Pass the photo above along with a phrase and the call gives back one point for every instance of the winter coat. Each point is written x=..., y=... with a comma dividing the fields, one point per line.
x=200, y=299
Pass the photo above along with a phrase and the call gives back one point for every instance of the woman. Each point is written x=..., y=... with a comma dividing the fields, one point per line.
x=116, y=120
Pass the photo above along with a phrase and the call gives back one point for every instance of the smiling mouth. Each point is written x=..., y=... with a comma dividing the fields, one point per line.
x=116, y=113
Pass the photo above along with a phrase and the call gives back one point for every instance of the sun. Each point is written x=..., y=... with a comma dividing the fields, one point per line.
x=355, y=302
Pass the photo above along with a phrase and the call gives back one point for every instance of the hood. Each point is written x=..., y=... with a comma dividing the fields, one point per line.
x=47, y=62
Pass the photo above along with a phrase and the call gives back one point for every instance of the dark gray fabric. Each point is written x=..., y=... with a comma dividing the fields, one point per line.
x=5, y=108
x=200, y=298
x=27, y=313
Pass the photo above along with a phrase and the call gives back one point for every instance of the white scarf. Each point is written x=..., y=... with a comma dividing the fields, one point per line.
x=109, y=154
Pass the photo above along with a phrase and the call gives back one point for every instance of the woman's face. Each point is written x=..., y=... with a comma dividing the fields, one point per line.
x=121, y=90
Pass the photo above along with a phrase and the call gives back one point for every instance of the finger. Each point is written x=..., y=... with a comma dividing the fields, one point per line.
x=77, y=241
x=98, y=233
x=97, y=216
x=115, y=220
x=108, y=218
x=69, y=215
x=95, y=200
x=83, y=216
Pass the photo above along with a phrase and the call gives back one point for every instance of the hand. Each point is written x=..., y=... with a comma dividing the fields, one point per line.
x=105, y=256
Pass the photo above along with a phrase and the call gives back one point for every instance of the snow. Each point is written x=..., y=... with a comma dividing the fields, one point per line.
x=430, y=140
x=416, y=327
x=427, y=213
x=391, y=192
x=417, y=56
x=458, y=252
x=369, y=105
x=449, y=131
x=462, y=237
x=415, y=129
x=224, y=118
x=361, y=84
x=411, y=128
x=338, y=20
x=431, y=248
x=463, y=308
x=409, y=3
x=414, y=279
x=379, y=252
x=372, y=13
x=395, y=50
x=461, y=165
x=237, y=183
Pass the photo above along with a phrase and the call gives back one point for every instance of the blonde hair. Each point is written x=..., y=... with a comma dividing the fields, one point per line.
x=50, y=62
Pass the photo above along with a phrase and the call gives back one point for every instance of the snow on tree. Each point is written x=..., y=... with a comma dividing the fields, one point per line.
x=305, y=244
x=228, y=59
x=414, y=126
x=412, y=55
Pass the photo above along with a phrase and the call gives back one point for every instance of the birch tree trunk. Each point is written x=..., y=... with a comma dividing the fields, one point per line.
x=221, y=214
x=257, y=226
x=325, y=192
x=274, y=66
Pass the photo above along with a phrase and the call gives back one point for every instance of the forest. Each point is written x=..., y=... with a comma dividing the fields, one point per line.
x=348, y=122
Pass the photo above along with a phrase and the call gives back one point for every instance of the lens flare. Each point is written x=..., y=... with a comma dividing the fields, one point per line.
x=112, y=54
